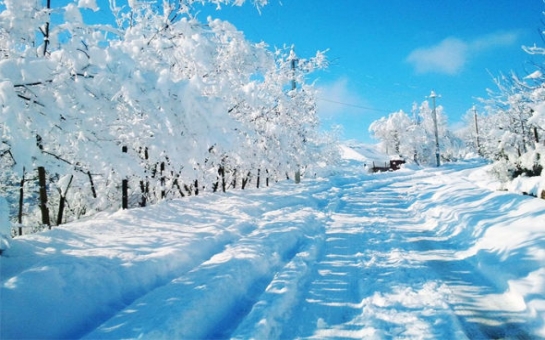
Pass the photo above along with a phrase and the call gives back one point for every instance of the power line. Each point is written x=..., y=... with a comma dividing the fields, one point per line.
x=366, y=107
x=353, y=105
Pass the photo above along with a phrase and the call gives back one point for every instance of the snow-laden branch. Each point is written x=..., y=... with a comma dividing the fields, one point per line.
x=185, y=99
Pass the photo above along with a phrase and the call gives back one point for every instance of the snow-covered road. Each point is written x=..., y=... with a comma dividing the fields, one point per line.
x=384, y=273
x=411, y=254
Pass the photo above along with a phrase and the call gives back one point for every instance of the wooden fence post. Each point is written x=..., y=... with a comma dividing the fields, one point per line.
x=43, y=196
x=124, y=188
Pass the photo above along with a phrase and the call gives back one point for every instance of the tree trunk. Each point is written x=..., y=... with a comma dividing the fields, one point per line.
x=144, y=188
x=177, y=184
x=124, y=187
x=245, y=180
x=62, y=202
x=163, y=181
x=125, y=194
x=93, y=190
x=21, y=198
x=43, y=196
x=61, y=210
x=222, y=174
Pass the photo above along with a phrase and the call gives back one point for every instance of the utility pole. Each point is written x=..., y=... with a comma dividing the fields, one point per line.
x=477, y=131
x=437, y=154
x=45, y=31
x=415, y=124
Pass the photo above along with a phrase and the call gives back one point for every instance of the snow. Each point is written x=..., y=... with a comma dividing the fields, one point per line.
x=5, y=225
x=363, y=152
x=89, y=4
x=417, y=253
x=357, y=153
x=534, y=75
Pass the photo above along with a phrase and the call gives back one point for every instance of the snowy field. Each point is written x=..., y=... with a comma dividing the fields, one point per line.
x=418, y=253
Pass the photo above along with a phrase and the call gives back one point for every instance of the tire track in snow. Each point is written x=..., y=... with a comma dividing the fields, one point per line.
x=373, y=280
x=362, y=248
x=274, y=308
x=242, y=210
x=363, y=268
x=231, y=280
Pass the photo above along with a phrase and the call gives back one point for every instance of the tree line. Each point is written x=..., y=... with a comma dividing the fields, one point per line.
x=152, y=101
x=412, y=136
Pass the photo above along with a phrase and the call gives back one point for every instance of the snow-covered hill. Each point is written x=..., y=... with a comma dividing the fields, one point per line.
x=428, y=253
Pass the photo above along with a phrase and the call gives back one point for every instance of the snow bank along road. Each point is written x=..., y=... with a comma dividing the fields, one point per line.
x=412, y=254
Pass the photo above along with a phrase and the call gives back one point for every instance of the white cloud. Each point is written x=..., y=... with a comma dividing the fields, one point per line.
x=89, y=4
x=491, y=41
x=336, y=98
x=451, y=55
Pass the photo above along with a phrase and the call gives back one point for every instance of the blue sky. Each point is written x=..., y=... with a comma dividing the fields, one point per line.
x=385, y=55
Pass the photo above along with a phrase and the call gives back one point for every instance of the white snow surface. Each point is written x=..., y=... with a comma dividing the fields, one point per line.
x=5, y=226
x=418, y=254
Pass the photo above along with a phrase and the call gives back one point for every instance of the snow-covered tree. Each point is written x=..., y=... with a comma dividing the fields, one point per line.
x=511, y=131
x=414, y=138
x=155, y=98
x=391, y=131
